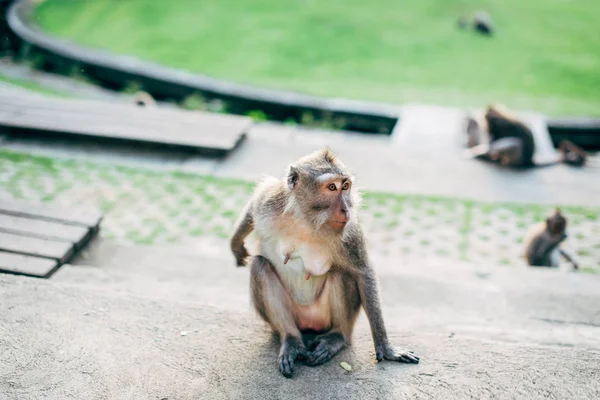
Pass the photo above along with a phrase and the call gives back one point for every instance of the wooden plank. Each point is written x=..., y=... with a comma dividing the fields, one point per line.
x=60, y=251
x=99, y=108
x=197, y=136
x=126, y=114
x=42, y=229
x=155, y=125
x=88, y=218
x=26, y=265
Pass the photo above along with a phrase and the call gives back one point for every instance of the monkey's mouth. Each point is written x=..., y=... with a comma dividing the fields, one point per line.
x=338, y=224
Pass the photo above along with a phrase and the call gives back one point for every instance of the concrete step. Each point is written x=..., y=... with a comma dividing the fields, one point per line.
x=539, y=305
x=63, y=340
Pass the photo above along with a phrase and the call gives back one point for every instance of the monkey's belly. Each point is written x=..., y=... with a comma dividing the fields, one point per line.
x=315, y=316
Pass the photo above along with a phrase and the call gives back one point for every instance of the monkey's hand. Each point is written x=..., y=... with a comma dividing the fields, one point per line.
x=241, y=255
x=388, y=352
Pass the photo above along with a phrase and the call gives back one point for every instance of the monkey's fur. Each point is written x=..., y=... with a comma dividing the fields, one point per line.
x=542, y=243
x=311, y=273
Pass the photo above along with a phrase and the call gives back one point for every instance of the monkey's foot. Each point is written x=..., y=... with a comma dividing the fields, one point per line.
x=291, y=349
x=387, y=351
x=324, y=347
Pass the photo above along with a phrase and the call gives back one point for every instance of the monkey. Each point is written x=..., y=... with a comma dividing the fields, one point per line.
x=144, y=99
x=482, y=23
x=311, y=274
x=571, y=154
x=511, y=143
x=542, y=242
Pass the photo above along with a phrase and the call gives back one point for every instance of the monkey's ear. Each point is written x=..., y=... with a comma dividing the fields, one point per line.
x=292, y=178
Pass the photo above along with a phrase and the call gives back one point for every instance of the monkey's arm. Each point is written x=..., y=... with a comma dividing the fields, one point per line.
x=244, y=226
x=369, y=295
x=568, y=258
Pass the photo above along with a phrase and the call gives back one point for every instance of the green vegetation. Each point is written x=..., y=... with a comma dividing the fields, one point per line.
x=544, y=55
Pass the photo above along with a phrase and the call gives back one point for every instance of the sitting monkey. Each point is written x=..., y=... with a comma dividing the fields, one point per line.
x=501, y=137
x=312, y=273
x=509, y=141
x=542, y=243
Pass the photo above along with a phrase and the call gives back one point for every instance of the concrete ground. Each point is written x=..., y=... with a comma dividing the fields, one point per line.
x=163, y=323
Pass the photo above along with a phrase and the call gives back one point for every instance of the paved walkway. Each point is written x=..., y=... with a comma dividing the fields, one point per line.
x=423, y=159
x=135, y=329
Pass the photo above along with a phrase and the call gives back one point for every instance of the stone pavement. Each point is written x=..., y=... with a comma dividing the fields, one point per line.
x=186, y=331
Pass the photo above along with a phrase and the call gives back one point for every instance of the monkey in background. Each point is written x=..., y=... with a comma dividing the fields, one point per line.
x=542, y=243
x=510, y=142
x=312, y=273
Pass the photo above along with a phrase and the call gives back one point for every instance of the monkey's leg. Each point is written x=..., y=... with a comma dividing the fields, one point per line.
x=344, y=303
x=508, y=150
x=325, y=347
x=274, y=305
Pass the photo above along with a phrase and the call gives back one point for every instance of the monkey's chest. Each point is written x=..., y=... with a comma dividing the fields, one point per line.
x=301, y=268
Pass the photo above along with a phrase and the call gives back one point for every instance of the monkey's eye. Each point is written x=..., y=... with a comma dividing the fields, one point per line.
x=345, y=186
x=332, y=187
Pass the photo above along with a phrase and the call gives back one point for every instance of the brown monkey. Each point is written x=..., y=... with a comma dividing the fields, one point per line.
x=511, y=143
x=312, y=272
x=542, y=243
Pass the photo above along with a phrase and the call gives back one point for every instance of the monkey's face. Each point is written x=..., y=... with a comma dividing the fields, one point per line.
x=321, y=191
x=333, y=201
x=325, y=200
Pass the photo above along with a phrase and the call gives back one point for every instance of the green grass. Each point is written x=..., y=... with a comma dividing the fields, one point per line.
x=544, y=56
x=33, y=86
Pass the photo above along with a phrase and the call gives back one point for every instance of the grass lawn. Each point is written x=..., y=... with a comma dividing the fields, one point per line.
x=545, y=56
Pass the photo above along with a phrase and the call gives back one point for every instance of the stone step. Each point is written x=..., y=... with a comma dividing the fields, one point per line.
x=64, y=340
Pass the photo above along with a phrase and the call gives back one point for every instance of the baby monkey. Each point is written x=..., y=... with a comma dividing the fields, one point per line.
x=542, y=244
x=312, y=273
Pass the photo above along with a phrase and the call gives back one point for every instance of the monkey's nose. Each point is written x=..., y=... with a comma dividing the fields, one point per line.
x=344, y=215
